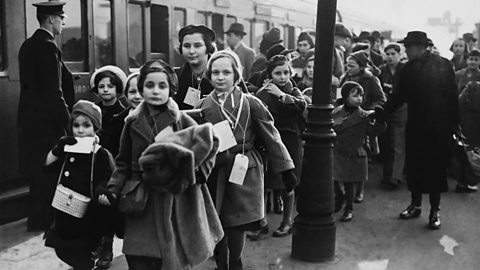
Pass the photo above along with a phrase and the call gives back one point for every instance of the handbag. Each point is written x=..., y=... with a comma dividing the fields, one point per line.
x=69, y=201
x=133, y=198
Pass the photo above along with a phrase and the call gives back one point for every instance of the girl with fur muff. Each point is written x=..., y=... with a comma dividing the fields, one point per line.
x=146, y=241
x=73, y=238
x=240, y=206
x=287, y=106
x=352, y=124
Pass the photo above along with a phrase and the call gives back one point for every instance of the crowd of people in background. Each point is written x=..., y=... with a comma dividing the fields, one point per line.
x=397, y=103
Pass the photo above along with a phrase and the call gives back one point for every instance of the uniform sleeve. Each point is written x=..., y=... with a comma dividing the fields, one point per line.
x=123, y=160
x=263, y=127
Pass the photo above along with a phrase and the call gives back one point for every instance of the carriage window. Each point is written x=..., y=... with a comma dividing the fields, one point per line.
x=102, y=27
x=259, y=27
x=201, y=18
x=158, y=32
x=248, y=28
x=179, y=21
x=230, y=20
x=73, y=40
x=2, y=41
x=290, y=37
x=136, y=52
x=217, y=27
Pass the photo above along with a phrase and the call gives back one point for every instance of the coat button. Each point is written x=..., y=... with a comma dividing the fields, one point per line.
x=66, y=173
x=72, y=159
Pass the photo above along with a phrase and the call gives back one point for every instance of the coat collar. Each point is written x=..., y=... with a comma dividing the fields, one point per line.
x=140, y=123
x=41, y=33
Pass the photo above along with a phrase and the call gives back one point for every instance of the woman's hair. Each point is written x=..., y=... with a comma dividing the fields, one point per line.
x=276, y=61
x=114, y=79
x=129, y=80
x=465, y=51
x=236, y=64
x=209, y=43
x=158, y=66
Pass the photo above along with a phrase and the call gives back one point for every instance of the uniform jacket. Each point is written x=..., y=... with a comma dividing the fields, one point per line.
x=239, y=205
x=46, y=92
x=427, y=85
x=185, y=80
x=76, y=176
x=466, y=75
x=141, y=233
x=246, y=56
x=350, y=157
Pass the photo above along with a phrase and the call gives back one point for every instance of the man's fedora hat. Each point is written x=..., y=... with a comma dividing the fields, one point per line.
x=469, y=37
x=236, y=28
x=50, y=8
x=415, y=37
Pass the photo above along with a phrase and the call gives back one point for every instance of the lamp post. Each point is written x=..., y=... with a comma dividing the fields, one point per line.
x=313, y=238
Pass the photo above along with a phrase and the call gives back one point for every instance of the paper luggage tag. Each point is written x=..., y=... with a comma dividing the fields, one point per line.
x=225, y=135
x=239, y=169
x=192, y=97
x=84, y=145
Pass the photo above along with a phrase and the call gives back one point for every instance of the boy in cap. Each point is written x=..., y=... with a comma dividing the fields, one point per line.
x=470, y=40
x=46, y=93
x=246, y=54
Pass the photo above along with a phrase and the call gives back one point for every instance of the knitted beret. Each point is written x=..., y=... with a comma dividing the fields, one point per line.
x=342, y=31
x=362, y=58
x=347, y=87
x=90, y=110
x=305, y=36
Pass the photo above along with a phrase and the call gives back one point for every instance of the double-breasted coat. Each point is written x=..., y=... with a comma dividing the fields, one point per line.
x=427, y=85
x=350, y=157
x=46, y=93
x=243, y=204
x=141, y=232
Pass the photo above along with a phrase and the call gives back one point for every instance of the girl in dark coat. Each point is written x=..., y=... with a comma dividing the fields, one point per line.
x=287, y=105
x=240, y=205
x=352, y=124
x=75, y=238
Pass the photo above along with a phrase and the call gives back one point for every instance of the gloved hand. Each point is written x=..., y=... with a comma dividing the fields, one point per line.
x=59, y=149
x=289, y=180
x=380, y=114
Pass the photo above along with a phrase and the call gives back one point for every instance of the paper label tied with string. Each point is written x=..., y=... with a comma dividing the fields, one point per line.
x=192, y=97
x=84, y=145
x=239, y=169
x=225, y=135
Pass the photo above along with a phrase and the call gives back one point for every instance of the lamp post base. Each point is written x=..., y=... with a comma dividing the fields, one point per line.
x=313, y=240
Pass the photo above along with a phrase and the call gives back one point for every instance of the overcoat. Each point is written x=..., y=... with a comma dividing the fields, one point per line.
x=427, y=85
x=246, y=56
x=288, y=119
x=186, y=80
x=141, y=232
x=350, y=157
x=46, y=92
x=243, y=204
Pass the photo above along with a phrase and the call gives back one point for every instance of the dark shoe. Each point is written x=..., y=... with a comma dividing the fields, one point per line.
x=259, y=234
x=358, y=198
x=105, y=254
x=347, y=216
x=434, y=220
x=460, y=188
x=411, y=212
x=283, y=230
x=236, y=265
x=277, y=204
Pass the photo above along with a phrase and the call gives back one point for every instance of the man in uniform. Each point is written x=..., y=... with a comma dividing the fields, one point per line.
x=246, y=54
x=43, y=115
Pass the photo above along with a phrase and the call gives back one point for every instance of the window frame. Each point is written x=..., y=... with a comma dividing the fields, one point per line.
x=144, y=26
x=3, y=51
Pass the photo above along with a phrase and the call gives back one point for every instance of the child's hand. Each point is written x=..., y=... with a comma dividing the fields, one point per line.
x=59, y=149
x=103, y=199
x=274, y=90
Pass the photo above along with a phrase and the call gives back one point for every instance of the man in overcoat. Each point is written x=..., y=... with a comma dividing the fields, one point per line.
x=427, y=84
x=246, y=54
x=45, y=95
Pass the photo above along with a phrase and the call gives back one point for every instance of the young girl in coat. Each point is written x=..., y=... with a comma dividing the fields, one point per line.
x=352, y=124
x=146, y=242
x=75, y=238
x=240, y=205
x=287, y=105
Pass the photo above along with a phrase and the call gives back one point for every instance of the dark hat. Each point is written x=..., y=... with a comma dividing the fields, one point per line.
x=394, y=46
x=272, y=36
x=474, y=53
x=360, y=46
x=277, y=49
x=236, y=28
x=342, y=31
x=362, y=58
x=90, y=110
x=348, y=86
x=364, y=35
x=415, y=37
x=196, y=28
x=469, y=37
x=430, y=42
x=50, y=8
x=310, y=54
x=376, y=34
x=305, y=36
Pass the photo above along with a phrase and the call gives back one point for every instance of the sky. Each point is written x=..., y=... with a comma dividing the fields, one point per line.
x=408, y=15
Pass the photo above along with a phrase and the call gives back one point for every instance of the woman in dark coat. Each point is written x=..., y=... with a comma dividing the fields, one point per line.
x=427, y=84
x=287, y=105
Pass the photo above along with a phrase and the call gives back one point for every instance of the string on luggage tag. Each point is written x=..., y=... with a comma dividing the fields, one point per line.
x=198, y=79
